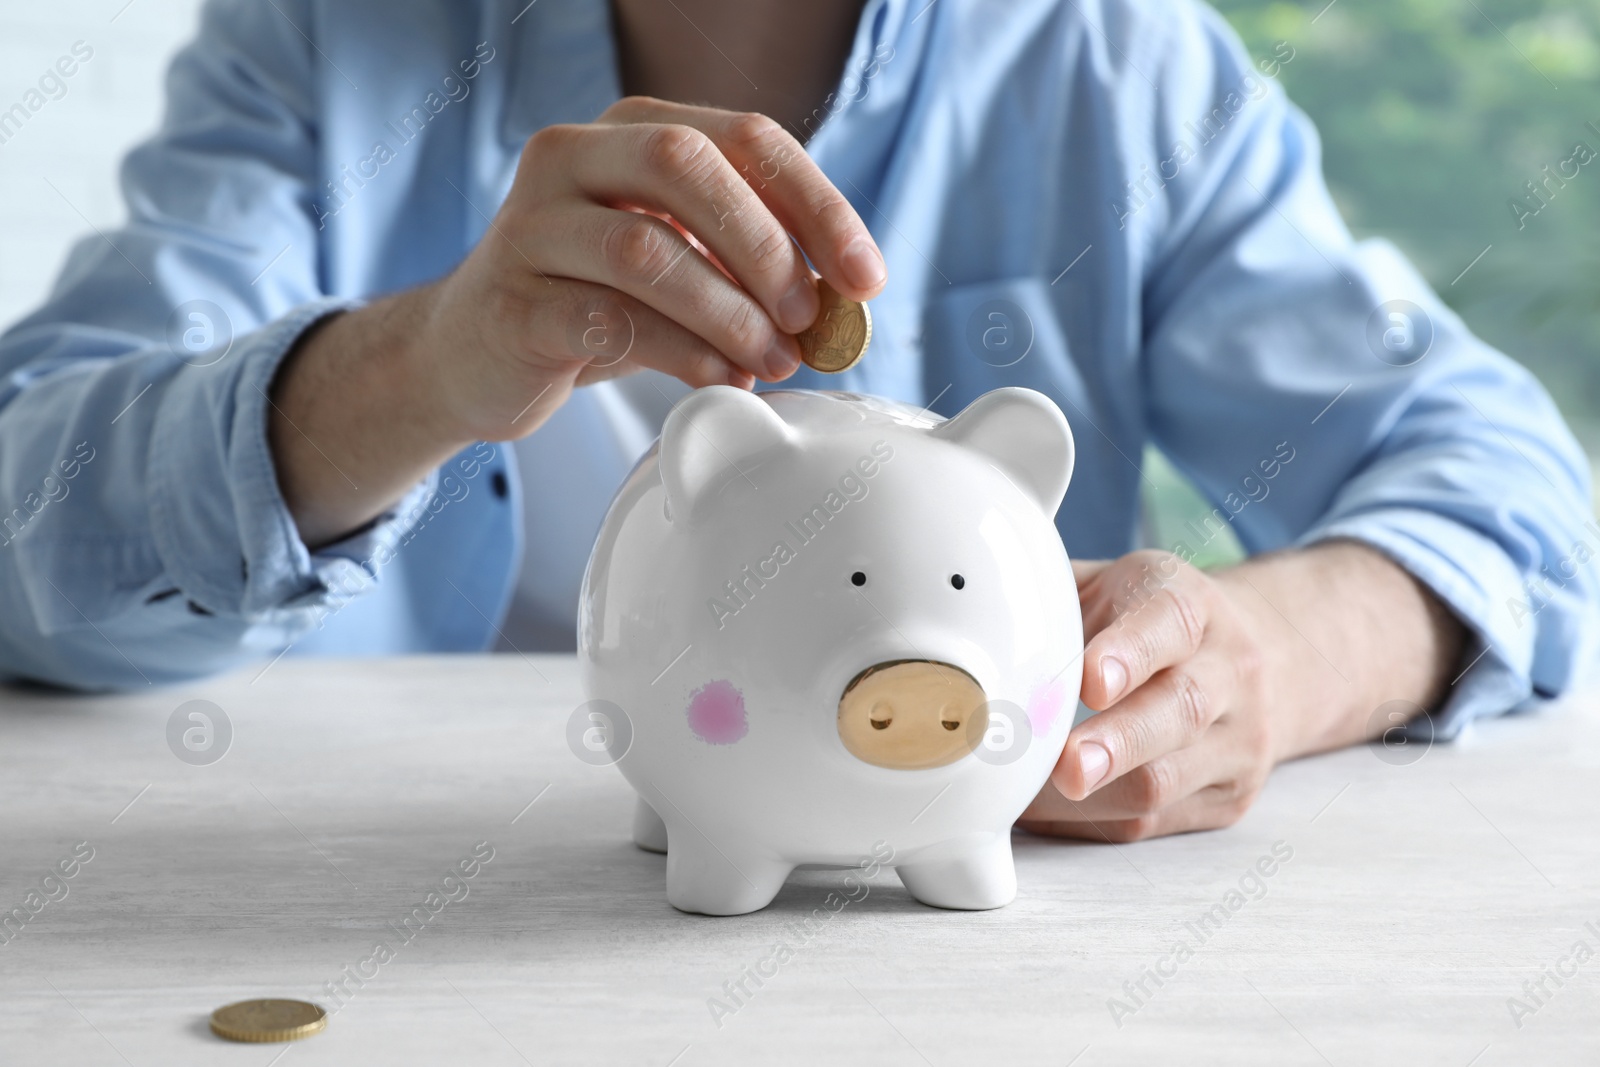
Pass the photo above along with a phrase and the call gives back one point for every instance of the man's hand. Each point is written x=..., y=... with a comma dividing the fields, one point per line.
x=660, y=235
x=657, y=236
x=1204, y=682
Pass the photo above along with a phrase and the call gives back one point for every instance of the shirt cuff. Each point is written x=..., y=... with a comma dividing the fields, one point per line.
x=1472, y=575
x=218, y=519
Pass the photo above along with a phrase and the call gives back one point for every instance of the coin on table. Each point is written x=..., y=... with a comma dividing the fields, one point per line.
x=268, y=1020
x=839, y=337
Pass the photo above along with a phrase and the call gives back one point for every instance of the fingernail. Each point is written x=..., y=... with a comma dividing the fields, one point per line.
x=799, y=306
x=782, y=356
x=1113, y=676
x=863, y=267
x=1093, y=762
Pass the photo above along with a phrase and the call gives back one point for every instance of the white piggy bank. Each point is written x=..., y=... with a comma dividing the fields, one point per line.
x=840, y=631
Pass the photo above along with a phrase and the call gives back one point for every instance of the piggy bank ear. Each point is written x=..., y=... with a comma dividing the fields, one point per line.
x=1024, y=434
x=711, y=436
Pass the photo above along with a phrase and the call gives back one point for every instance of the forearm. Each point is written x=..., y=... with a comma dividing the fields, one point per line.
x=1356, y=631
x=353, y=423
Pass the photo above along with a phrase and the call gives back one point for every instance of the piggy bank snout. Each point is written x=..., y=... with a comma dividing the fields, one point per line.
x=912, y=714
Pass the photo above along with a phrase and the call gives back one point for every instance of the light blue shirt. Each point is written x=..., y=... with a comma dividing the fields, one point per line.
x=1110, y=202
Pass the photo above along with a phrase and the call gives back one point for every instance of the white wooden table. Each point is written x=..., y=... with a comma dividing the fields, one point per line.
x=1417, y=901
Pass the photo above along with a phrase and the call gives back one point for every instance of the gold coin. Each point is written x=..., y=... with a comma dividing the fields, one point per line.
x=268, y=1020
x=839, y=337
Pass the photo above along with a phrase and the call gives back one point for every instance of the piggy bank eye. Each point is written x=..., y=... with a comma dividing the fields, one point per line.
x=858, y=578
x=957, y=581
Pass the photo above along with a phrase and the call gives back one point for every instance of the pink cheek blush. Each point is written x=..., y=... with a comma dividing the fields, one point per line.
x=716, y=713
x=1045, y=707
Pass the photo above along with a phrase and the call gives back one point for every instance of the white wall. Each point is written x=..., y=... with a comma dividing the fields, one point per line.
x=113, y=101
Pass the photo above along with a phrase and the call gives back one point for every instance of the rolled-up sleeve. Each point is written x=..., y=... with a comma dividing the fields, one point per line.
x=147, y=539
x=212, y=485
x=1270, y=332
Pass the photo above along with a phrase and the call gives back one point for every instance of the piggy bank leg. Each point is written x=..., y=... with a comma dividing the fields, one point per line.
x=982, y=879
x=711, y=880
x=649, y=832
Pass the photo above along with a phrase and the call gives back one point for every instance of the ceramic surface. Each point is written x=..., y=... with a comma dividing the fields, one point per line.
x=773, y=549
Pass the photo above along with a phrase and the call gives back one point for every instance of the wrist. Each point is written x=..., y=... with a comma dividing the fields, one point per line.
x=420, y=370
x=1344, y=630
x=1280, y=653
x=352, y=423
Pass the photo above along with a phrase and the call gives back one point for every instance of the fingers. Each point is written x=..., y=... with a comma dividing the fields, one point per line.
x=681, y=171
x=613, y=333
x=1170, y=711
x=1085, y=570
x=1210, y=809
x=787, y=181
x=1110, y=591
x=1146, y=618
x=1092, y=601
x=689, y=211
x=1204, y=787
x=1182, y=741
x=1218, y=758
x=647, y=259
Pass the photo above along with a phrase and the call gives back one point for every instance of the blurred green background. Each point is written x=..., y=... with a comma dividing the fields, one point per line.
x=1435, y=114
